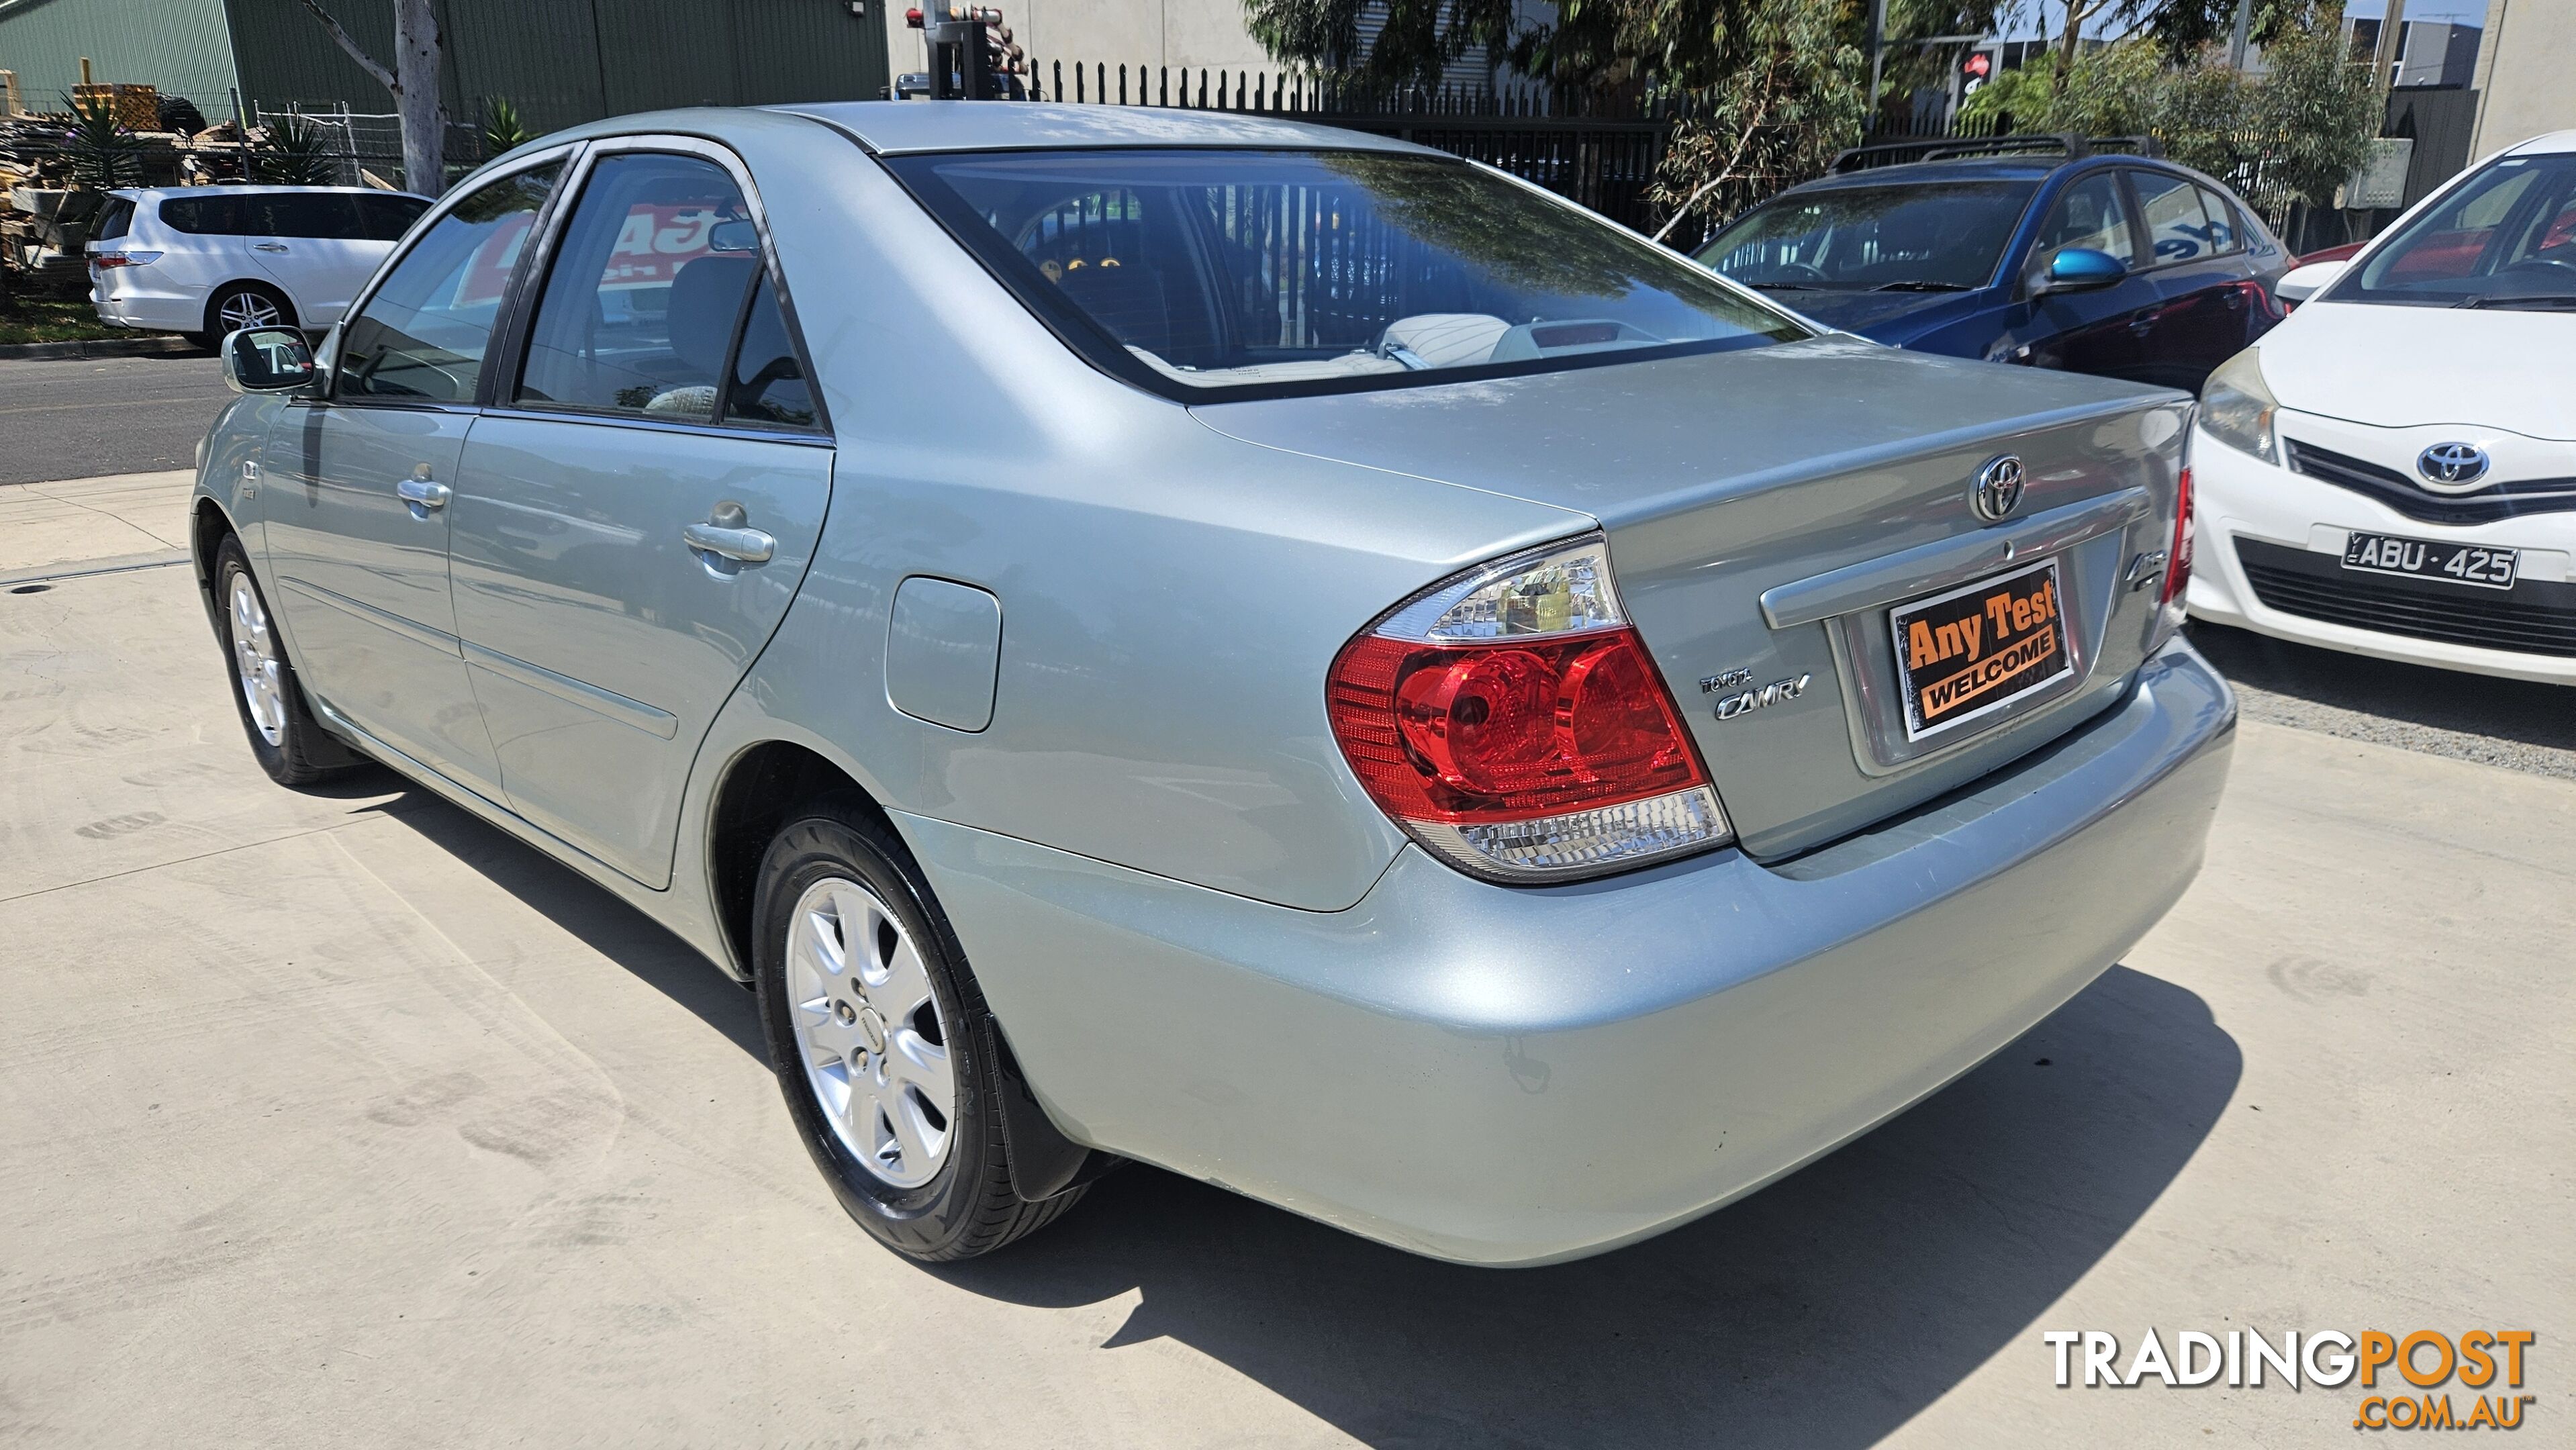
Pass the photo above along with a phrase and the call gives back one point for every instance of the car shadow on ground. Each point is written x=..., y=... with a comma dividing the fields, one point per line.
x=603, y=923
x=1826, y=1310
x=2523, y=710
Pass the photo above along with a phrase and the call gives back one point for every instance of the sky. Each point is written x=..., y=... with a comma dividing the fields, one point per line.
x=2040, y=18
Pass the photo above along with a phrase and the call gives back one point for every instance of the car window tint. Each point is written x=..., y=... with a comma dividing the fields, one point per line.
x=424, y=333
x=2226, y=234
x=1929, y=237
x=386, y=218
x=2093, y=215
x=204, y=216
x=325, y=215
x=646, y=288
x=114, y=220
x=2176, y=226
x=769, y=383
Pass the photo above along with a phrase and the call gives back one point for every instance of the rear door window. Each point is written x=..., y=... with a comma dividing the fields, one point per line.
x=321, y=215
x=386, y=218
x=2227, y=229
x=645, y=293
x=2177, y=227
x=203, y=216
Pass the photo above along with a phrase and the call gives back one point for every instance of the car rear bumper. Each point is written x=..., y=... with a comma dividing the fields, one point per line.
x=2241, y=497
x=159, y=311
x=1515, y=1076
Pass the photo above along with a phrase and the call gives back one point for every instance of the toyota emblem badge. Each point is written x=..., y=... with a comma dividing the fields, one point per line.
x=1997, y=491
x=2452, y=465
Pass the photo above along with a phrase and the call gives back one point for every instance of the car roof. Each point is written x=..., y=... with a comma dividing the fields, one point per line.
x=899, y=127
x=165, y=193
x=2555, y=141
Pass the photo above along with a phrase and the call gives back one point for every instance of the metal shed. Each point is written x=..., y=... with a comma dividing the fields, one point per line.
x=559, y=61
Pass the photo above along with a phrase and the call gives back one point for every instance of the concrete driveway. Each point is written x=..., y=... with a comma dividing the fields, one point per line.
x=338, y=1118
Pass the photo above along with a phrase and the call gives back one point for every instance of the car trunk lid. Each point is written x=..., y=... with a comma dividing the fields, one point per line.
x=1766, y=508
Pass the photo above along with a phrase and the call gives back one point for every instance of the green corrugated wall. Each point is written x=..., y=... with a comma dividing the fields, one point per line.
x=566, y=61
x=178, y=45
x=560, y=61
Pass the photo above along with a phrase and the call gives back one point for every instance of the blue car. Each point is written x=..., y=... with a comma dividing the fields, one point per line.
x=2034, y=250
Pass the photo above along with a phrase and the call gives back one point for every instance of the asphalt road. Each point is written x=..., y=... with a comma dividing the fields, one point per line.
x=85, y=417
x=336, y=1117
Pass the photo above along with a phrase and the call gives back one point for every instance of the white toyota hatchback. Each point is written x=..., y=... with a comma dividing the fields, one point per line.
x=208, y=260
x=2392, y=471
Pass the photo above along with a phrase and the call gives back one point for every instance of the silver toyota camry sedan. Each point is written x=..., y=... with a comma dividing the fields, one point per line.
x=1232, y=644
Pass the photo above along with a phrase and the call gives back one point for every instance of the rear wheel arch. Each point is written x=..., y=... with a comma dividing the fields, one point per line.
x=763, y=787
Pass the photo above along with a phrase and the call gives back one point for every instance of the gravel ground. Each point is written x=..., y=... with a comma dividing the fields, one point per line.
x=2511, y=723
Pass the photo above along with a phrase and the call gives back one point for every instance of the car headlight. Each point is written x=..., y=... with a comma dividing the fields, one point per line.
x=2238, y=410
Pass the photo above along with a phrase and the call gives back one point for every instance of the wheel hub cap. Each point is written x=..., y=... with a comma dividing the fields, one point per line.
x=869, y=1030
x=256, y=662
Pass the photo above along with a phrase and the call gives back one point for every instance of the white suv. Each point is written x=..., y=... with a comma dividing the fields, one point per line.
x=206, y=260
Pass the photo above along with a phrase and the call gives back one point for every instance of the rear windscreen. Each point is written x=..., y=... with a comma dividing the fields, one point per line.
x=1204, y=272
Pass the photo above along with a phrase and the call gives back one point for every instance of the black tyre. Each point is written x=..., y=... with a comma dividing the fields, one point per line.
x=877, y=1032
x=284, y=737
x=236, y=305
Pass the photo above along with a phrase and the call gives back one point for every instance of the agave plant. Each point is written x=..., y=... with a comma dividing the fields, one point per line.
x=502, y=128
x=103, y=154
x=296, y=153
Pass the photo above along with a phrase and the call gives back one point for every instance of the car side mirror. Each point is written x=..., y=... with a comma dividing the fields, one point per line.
x=2301, y=283
x=2080, y=269
x=267, y=360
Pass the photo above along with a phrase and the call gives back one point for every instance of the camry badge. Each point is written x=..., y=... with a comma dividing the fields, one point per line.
x=1770, y=694
x=1997, y=491
x=2453, y=465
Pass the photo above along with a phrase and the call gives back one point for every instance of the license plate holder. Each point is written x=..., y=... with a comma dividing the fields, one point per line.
x=2478, y=566
x=1965, y=654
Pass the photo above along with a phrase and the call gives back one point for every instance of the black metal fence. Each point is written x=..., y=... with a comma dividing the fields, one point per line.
x=1598, y=151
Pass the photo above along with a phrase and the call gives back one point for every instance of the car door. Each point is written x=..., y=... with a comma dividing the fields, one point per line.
x=637, y=509
x=313, y=244
x=359, y=481
x=2097, y=331
x=2199, y=272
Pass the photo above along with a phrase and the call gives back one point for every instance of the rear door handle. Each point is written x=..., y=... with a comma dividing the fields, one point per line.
x=268, y=246
x=727, y=535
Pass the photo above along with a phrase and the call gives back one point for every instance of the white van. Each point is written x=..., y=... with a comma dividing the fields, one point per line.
x=206, y=260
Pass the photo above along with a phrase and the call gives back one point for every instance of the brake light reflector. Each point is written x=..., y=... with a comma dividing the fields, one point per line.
x=105, y=260
x=2178, y=558
x=1523, y=734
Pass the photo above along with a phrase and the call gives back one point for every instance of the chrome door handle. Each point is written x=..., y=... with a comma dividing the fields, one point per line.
x=268, y=246
x=748, y=546
x=423, y=495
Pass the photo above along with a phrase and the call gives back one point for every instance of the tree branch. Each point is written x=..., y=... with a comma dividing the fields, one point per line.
x=366, y=62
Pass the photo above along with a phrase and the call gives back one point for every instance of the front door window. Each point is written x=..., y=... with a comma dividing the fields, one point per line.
x=422, y=337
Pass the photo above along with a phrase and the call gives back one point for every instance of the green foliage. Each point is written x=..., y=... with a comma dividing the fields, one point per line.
x=295, y=153
x=1772, y=88
x=502, y=128
x=103, y=154
x=2293, y=133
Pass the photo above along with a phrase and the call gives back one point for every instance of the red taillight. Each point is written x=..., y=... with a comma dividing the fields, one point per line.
x=2178, y=558
x=1507, y=730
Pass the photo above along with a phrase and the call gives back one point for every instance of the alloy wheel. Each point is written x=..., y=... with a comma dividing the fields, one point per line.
x=256, y=661
x=247, y=309
x=868, y=1026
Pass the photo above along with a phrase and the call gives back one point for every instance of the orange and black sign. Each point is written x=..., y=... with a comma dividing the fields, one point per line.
x=1965, y=654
